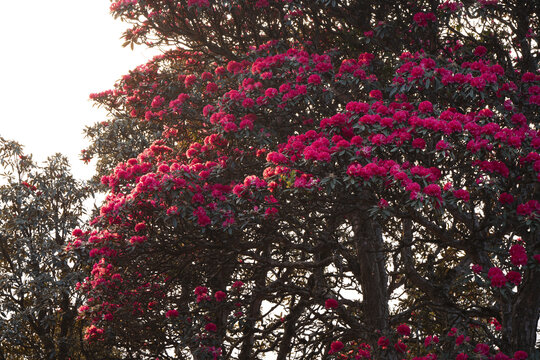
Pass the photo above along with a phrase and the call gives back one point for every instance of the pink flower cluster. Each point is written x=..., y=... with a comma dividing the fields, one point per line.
x=422, y=18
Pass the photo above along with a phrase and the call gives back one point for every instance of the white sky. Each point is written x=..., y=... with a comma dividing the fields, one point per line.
x=54, y=54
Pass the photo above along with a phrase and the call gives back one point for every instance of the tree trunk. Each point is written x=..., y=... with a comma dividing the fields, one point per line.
x=249, y=330
x=290, y=329
x=254, y=311
x=66, y=325
x=525, y=313
x=373, y=276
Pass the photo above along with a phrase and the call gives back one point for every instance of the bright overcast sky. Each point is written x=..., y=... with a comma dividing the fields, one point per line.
x=54, y=54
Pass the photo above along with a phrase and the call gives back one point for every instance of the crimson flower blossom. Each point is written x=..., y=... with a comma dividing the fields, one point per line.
x=331, y=304
x=404, y=329
x=335, y=347
x=220, y=296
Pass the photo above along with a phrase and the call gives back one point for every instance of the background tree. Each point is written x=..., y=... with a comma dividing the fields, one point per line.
x=296, y=185
x=39, y=207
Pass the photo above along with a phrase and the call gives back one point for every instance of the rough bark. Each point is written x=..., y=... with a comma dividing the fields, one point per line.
x=254, y=311
x=373, y=275
x=525, y=313
x=290, y=329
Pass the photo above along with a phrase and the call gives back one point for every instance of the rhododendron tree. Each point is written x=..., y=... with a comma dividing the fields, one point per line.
x=296, y=183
